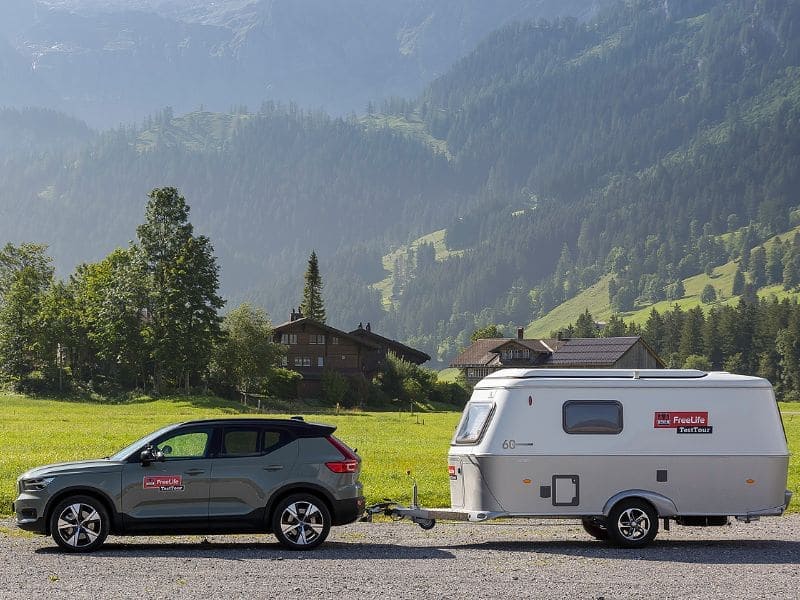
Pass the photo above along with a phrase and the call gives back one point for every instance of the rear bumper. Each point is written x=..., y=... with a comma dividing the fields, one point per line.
x=348, y=510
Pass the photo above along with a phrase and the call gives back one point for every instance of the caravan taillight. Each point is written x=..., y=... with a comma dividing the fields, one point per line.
x=451, y=469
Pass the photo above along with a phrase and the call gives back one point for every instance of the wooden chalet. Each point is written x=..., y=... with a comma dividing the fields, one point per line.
x=312, y=347
x=485, y=356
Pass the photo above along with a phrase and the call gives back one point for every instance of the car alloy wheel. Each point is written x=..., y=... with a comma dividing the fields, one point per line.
x=301, y=522
x=79, y=524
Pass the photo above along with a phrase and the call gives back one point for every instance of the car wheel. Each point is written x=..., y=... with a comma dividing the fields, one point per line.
x=632, y=523
x=301, y=522
x=595, y=528
x=79, y=524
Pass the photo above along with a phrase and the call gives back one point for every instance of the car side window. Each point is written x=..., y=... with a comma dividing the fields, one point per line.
x=191, y=444
x=272, y=440
x=240, y=442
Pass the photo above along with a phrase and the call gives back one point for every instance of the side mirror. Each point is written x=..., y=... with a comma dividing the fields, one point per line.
x=151, y=454
x=146, y=456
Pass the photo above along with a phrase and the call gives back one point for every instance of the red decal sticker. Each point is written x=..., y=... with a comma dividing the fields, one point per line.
x=164, y=483
x=678, y=420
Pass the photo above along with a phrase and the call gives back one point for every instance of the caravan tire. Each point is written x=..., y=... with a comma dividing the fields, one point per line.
x=632, y=523
x=595, y=528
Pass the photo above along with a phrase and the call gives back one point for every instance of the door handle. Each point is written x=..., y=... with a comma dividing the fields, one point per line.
x=273, y=467
x=194, y=471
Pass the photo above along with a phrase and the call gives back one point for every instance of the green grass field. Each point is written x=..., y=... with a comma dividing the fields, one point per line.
x=38, y=431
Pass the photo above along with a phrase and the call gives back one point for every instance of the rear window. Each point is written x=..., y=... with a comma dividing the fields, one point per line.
x=592, y=416
x=474, y=422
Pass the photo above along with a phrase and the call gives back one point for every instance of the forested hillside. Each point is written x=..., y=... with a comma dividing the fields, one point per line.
x=623, y=146
x=555, y=155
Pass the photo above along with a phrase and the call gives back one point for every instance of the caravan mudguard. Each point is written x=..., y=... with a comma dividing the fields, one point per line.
x=663, y=505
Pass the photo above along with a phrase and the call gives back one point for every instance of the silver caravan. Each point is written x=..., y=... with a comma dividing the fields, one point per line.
x=620, y=450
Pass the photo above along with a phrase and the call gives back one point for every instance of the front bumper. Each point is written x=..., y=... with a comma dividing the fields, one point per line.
x=29, y=515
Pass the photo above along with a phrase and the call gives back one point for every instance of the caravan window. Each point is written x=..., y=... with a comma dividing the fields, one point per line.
x=592, y=416
x=474, y=423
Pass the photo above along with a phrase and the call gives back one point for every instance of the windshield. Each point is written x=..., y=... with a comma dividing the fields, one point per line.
x=474, y=422
x=126, y=451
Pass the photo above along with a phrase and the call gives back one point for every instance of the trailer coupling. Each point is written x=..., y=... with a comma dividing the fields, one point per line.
x=424, y=517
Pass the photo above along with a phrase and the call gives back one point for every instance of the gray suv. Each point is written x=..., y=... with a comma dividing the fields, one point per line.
x=284, y=476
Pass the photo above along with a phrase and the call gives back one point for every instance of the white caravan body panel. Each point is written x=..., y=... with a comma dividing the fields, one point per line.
x=691, y=443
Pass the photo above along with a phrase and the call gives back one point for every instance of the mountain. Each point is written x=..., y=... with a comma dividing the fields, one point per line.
x=113, y=61
x=657, y=141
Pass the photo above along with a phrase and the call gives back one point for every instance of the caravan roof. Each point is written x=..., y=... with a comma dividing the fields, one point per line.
x=618, y=378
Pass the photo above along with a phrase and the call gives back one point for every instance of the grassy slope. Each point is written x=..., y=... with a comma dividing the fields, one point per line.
x=436, y=238
x=411, y=126
x=35, y=432
x=595, y=298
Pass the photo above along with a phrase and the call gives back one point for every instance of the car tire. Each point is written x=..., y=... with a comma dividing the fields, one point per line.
x=595, y=528
x=632, y=523
x=79, y=524
x=301, y=521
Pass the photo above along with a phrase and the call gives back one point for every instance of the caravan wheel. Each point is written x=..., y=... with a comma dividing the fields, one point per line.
x=632, y=523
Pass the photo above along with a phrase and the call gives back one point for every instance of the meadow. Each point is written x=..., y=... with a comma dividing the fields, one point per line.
x=37, y=431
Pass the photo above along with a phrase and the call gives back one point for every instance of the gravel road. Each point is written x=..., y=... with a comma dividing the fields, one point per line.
x=501, y=559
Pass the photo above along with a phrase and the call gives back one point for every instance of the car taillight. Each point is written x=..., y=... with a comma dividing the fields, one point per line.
x=343, y=466
x=350, y=462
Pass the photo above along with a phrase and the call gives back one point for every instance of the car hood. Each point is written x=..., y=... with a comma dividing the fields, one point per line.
x=68, y=468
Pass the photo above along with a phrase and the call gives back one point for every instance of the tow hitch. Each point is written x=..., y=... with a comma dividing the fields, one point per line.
x=424, y=517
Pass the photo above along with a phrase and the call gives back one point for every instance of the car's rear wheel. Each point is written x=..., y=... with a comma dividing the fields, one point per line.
x=79, y=524
x=301, y=521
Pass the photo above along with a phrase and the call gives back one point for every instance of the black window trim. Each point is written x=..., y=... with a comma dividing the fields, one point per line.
x=589, y=402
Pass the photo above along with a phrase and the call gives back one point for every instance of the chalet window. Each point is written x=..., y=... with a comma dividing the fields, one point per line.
x=316, y=339
x=592, y=416
x=335, y=340
x=302, y=361
x=288, y=338
x=320, y=361
x=284, y=361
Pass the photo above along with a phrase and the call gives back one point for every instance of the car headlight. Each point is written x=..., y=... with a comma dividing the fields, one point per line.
x=34, y=485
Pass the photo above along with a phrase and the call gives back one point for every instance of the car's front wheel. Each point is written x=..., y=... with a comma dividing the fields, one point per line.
x=301, y=521
x=79, y=524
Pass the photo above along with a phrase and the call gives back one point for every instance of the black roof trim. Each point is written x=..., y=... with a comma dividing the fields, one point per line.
x=300, y=428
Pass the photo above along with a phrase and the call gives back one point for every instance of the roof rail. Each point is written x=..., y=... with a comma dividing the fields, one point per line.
x=545, y=373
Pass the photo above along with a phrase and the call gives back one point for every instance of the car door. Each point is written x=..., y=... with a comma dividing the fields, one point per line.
x=173, y=494
x=253, y=461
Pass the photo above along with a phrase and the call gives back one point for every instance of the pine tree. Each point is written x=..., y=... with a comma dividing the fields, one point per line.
x=182, y=321
x=738, y=282
x=312, y=305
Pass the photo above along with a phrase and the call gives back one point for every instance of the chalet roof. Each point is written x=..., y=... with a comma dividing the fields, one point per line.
x=412, y=354
x=573, y=352
x=304, y=322
x=592, y=352
x=484, y=352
